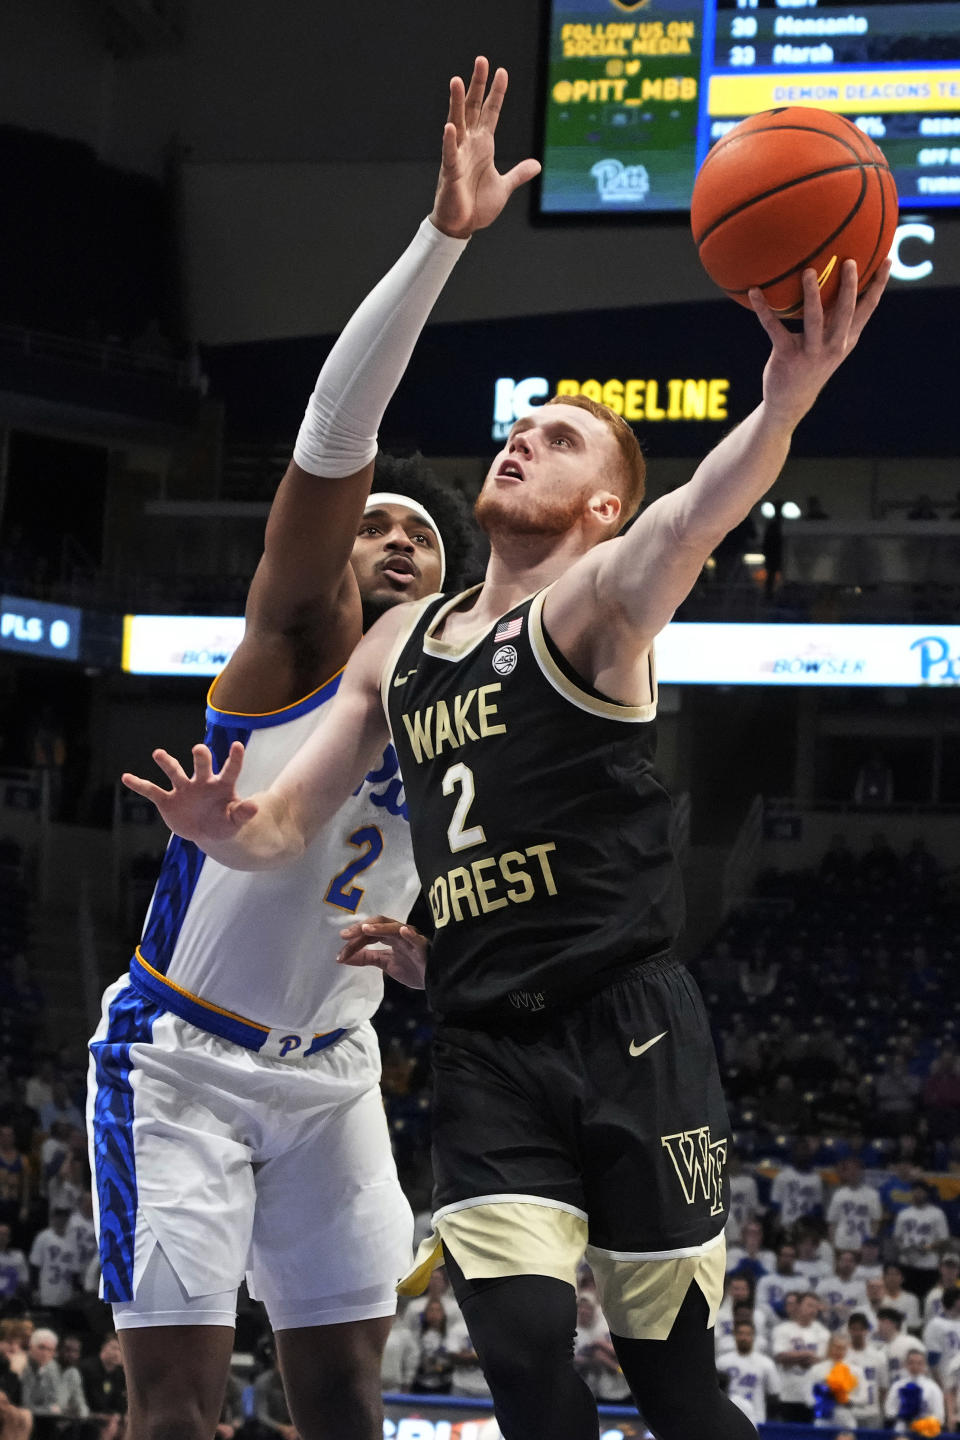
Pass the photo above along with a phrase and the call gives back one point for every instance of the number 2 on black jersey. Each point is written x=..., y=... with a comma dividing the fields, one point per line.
x=459, y=836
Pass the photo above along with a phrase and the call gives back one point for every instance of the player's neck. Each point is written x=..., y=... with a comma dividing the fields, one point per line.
x=518, y=567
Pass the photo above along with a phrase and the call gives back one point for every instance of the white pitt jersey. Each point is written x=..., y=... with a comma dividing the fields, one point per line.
x=262, y=946
x=744, y=1205
x=856, y=1211
x=790, y=1339
x=750, y=1379
x=840, y=1299
x=872, y=1364
x=908, y=1305
x=773, y=1289
x=941, y=1338
x=814, y=1270
x=933, y=1304
x=55, y=1257
x=796, y=1193
x=916, y=1229
x=931, y=1397
x=723, y=1330
x=896, y=1352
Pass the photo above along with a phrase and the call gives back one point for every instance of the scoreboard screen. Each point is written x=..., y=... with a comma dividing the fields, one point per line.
x=638, y=90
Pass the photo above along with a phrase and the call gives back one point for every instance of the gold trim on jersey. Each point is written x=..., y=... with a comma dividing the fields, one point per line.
x=416, y=608
x=476, y=1202
x=189, y=995
x=429, y=1257
x=460, y=649
x=207, y=1005
x=608, y=709
x=675, y=1252
x=264, y=714
x=490, y=1237
x=640, y=1299
x=493, y=1237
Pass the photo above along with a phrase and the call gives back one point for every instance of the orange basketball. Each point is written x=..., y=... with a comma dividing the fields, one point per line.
x=788, y=189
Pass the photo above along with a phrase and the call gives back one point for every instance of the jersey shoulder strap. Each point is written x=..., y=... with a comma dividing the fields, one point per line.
x=421, y=612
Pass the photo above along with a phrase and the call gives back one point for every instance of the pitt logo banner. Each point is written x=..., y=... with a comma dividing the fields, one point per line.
x=699, y=1163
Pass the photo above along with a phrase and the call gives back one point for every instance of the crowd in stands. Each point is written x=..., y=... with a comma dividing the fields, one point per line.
x=836, y=999
x=60, y=1369
x=837, y=1006
x=61, y=1372
x=840, y=1293
x=836, y=996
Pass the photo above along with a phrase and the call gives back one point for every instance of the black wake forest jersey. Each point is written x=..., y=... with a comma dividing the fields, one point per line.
x=540, y=831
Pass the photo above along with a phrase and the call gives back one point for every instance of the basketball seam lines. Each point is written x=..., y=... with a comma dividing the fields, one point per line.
x=879, y=171
x=726, y=141
x=861, y=165
x=865, y=158
x=883, y=220
x=802, y=264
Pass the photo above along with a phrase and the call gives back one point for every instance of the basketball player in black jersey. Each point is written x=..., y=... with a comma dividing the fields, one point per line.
x=577, y=1104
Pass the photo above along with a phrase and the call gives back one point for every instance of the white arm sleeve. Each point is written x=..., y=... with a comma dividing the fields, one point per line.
x=338, y=436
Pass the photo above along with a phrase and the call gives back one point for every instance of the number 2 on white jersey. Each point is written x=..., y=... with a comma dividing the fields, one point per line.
x=459, y=836
x=341, y=891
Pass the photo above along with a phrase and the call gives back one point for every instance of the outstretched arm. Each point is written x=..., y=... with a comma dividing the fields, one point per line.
x=268, y=829
x=470, y=191
x=638, y=581
x=303, y=610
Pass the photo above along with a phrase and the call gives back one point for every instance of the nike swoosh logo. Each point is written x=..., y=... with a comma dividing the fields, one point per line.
x=636, y=1049
x=402, y=679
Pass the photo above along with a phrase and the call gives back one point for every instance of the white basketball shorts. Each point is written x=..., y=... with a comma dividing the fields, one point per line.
x=238, y=1164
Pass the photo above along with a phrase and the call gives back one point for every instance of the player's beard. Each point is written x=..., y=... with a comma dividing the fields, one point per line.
x=496, y=515
x=373, y=606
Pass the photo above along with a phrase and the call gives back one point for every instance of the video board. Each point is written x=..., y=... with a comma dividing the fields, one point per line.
x=638, y=90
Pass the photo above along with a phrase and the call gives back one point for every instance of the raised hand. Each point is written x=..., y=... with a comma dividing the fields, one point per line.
x=801, y=363
x=405, y=959
x=204, y=807
x=471, y=192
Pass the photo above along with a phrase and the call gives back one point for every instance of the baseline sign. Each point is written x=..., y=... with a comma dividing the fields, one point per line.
x=179, y=644
x=744, y=654
x=688, y=653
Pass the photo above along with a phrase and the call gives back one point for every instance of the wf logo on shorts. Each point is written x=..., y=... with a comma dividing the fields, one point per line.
x=699, y=1163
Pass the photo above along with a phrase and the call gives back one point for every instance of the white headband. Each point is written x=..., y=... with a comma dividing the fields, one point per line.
x=387, y=497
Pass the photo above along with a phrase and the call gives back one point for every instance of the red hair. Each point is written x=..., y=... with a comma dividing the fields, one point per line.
x=633, y=467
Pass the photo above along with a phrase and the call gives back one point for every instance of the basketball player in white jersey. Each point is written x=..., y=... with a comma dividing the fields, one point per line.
x=553, y=503
x=235, y=1116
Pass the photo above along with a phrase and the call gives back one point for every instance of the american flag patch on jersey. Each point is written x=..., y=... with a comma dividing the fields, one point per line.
x=508, y=629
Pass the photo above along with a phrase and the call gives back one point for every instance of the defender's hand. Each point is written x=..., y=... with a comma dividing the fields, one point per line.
x=406, y=958
x=204, y=807
x=801, y=364
x=471, y=192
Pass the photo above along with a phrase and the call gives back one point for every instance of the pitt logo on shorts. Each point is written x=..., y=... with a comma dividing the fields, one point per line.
x=288, y=1043
x=699, y=1163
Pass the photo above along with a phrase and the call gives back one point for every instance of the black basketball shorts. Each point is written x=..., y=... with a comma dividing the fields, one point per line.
x=610, y=1109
